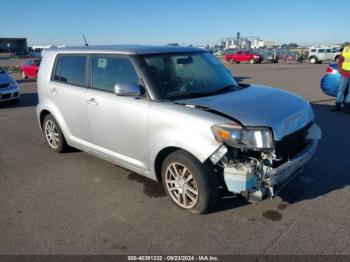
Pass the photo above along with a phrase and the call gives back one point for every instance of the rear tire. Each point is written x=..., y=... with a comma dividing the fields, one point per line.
x=190, y=184
x=53, y=135
x=313, y=60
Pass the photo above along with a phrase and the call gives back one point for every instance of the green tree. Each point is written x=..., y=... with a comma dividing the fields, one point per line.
x=293, y=45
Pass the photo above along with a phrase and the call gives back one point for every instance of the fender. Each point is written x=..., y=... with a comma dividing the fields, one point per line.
x=188, y=129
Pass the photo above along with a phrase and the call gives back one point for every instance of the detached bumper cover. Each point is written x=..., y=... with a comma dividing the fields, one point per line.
x=280, y=174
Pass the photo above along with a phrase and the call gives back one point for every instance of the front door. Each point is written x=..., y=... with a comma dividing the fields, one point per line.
x=118, y=124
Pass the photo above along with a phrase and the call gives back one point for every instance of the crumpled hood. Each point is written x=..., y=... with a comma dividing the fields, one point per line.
x=4, y=78
x=256, y=106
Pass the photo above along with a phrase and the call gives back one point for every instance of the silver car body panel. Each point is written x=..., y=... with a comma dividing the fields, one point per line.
x=107, y=130
x=172, y=125
x=131, y=131
x=261, y=106
x=124, y=49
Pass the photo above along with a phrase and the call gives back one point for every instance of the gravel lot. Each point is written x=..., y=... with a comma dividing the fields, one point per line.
x=75, y=203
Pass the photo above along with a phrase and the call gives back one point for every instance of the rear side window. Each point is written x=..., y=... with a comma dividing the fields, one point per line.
x=70, y=69
x=313, y=50
x=108, y=71
x=321, y=50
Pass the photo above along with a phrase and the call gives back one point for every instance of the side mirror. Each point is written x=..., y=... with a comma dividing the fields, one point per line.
x=127, y=89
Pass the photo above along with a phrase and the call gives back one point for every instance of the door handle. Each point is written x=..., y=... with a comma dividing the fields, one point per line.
x=53, y=91
x=92, y=102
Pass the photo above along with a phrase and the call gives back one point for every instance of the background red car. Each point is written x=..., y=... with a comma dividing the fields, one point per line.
x=30, y=68
x=243, y=56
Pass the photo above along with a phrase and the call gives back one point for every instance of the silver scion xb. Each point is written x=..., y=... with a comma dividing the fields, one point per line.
x=175, y=115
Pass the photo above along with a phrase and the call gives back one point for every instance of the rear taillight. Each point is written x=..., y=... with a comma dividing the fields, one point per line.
x=330, y=70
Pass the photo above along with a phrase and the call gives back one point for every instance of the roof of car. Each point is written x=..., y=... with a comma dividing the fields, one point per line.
x=126, y=49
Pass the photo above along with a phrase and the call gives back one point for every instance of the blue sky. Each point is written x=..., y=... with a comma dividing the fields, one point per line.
x=182, y=21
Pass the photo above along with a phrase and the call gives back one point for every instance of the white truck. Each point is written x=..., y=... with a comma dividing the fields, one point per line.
x=322, y=54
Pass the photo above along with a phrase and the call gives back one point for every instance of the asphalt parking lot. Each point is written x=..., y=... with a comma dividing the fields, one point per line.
x=74, y=203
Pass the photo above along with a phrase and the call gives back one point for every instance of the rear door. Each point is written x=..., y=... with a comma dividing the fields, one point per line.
x=118, y=124
x=67, y=91
x=329, y=55
x=321, y=55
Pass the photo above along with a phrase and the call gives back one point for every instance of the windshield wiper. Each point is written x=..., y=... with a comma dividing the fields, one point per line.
x=225, y=88
x=201, y=94
x=187, y=95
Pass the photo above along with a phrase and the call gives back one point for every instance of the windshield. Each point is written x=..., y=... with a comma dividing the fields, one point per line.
x=189, y=75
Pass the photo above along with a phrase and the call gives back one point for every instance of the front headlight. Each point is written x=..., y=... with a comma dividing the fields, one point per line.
x=13, y=84
x=235, y=135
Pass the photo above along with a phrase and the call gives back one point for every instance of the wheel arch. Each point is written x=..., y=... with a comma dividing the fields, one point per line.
x=44, y=109
x=42, y=115
x=313, y=56
x=162, y=154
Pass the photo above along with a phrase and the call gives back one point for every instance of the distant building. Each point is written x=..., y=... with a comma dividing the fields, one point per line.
x=38, y=48
x=13, y=45
x=237, y=42
x=257, y=43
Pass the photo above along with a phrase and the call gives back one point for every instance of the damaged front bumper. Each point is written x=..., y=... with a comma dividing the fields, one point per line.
x=255, y=181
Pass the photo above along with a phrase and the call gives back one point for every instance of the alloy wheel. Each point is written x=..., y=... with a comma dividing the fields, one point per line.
x=51, y=134
x=181, y=185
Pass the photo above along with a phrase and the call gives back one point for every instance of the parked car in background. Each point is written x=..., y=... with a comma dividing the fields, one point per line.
x=219, y=53
x=176, y=115
x=269, y=56
x=330, y=82
x=321, y=54
x=243, y=56
x=9, y=90
x=288, y=56
x=30, y=68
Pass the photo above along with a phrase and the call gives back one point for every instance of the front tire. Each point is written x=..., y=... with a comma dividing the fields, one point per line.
x=53, y=135
x=251, y=61
x=190, y=184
